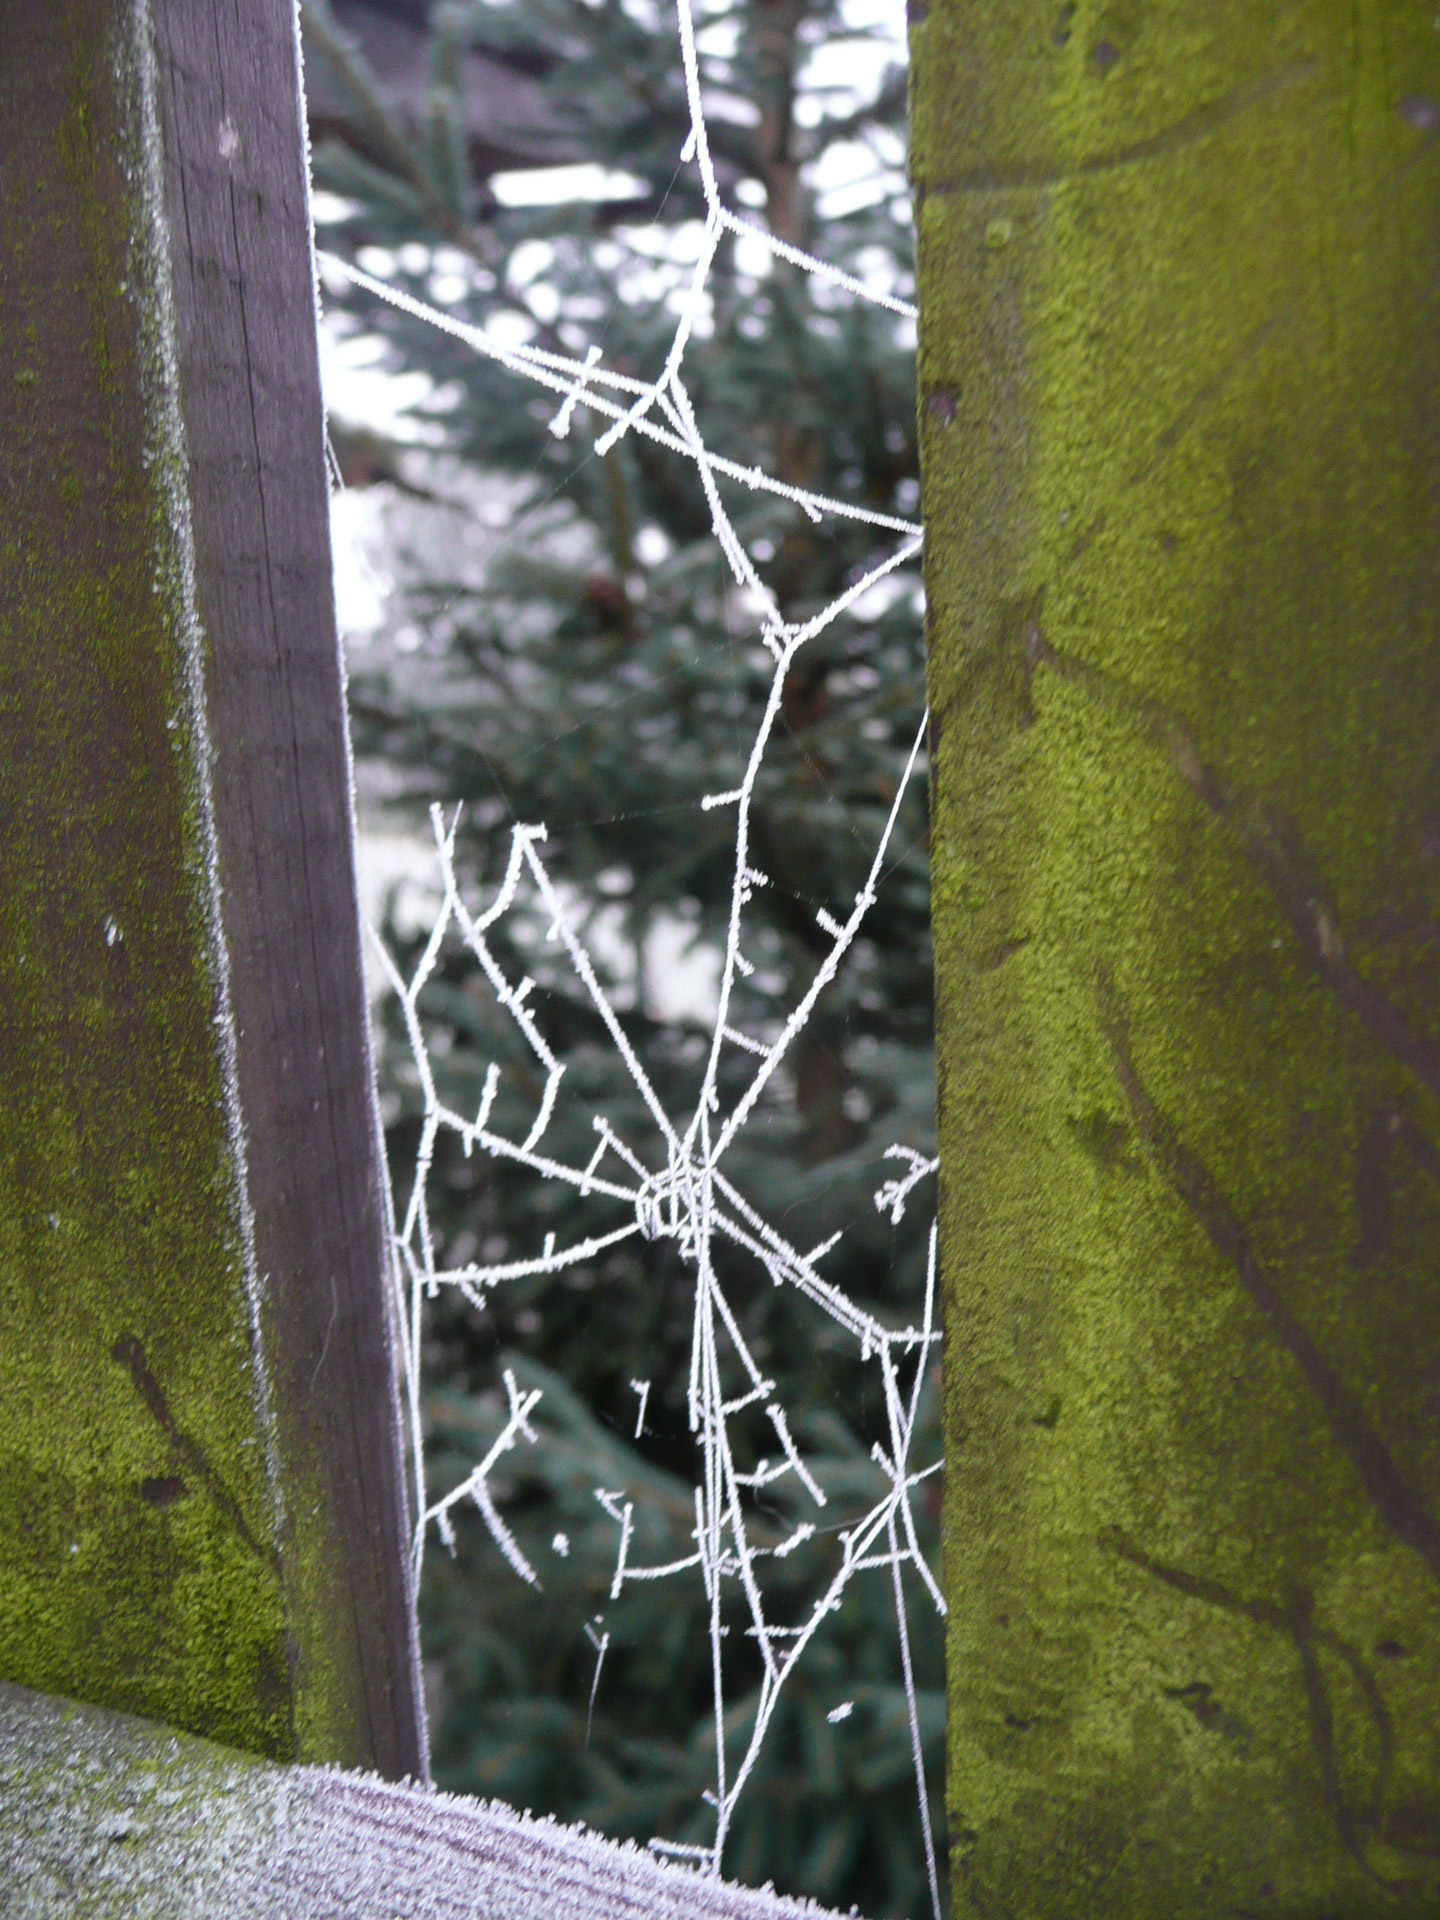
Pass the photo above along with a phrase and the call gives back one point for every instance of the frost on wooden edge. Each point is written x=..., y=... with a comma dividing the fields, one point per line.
x=135, y=1822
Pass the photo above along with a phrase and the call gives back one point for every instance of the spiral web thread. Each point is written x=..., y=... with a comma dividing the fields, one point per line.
x=689, y=1200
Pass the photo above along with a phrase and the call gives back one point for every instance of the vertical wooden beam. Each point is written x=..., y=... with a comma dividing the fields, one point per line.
x=201, y=1494
x=1180, y=285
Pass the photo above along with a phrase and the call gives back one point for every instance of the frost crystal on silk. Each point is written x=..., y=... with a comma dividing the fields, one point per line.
x=682, y=1193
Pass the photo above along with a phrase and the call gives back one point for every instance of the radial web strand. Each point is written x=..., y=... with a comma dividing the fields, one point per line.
x=672, y=1186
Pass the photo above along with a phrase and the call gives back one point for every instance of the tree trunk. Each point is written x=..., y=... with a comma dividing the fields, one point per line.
x=1178, y=278
x=201, y=1501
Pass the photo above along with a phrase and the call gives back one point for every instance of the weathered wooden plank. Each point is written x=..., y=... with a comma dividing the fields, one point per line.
x=1178, y=283
x=238, y=205
x=201, y=1501
x=146, y=1824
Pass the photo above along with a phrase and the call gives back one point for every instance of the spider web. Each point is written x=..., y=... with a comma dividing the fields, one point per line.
x=685, y=1196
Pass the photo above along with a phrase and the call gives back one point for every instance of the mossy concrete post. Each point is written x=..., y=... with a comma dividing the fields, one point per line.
x=1180, y=404
x=201, y=1496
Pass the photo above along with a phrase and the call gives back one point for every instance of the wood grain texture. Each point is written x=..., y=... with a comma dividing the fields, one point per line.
x=146, y=1824
x=237, y=202
x=137, y=1551
x=201, y=1500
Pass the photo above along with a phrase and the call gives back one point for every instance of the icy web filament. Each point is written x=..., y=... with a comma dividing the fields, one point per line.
x=686, y=1198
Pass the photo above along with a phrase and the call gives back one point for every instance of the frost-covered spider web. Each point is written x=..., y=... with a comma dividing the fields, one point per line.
x=673, y=1185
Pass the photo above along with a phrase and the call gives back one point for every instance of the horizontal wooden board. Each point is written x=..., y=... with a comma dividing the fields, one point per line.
x=126, y=1818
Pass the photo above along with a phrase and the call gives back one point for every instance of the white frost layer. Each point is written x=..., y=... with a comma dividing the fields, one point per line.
x=114, y=1816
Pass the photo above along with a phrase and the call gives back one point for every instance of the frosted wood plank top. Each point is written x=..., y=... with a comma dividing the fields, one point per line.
x=130, y=1819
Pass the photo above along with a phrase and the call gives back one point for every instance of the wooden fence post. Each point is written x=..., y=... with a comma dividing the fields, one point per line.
x=1181, y=433
x=202, y=1508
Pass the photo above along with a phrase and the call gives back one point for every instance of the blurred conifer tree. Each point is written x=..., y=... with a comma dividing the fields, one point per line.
x=589, y=664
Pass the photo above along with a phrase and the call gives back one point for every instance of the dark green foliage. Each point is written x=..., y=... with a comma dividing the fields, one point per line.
x=599, y=673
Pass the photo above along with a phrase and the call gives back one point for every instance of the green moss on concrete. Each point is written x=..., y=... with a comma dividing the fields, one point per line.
x=1179, y=273
x=137, y=1538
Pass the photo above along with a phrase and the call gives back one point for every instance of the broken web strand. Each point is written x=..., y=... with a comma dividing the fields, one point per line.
x=561, y=373
x=682, y=1206
x=689, y=1200
x=683, y=1202
x=857, y=1557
